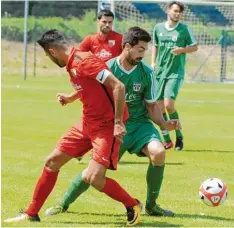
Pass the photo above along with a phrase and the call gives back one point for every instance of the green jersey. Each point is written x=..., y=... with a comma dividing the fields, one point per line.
x=140, y=84
x=169, y=65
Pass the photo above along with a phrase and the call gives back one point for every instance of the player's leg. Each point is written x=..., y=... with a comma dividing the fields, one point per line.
x=160, y=100
x=171, y=92
x=154, y=177
x=74, y=143
x=146, y=142
x=44, y=186
x=105, y=156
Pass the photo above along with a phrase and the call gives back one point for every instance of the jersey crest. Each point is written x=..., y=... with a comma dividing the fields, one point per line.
x=174, y=38
x=136, y=86
x=111, y=43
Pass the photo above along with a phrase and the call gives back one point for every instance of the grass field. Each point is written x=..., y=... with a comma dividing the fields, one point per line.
x=32, y=122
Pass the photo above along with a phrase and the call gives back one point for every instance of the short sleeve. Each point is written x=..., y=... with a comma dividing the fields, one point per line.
x=155, y=36
x=190, y=39
x=150, y=90
x=85, y=44
x=94, y=68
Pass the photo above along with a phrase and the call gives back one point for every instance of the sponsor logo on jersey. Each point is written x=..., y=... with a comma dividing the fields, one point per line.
x=77, y=87
x=174, y=38
x=160, y=34
x=73, y=73
x=130, y=97
x=111, y=43
x=104, y=54
x=136, y=86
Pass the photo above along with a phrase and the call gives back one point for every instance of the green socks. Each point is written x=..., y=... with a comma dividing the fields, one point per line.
x=77, y=187
x=154, y=178
x=175, y=115
x=165, y=133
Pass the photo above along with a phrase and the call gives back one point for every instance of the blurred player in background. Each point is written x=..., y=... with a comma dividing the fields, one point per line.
x=142, y=137
x=171, y=41
x=105, y=44
x=101, y=128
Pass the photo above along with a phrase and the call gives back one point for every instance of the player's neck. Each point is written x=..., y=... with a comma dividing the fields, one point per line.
x=67, y=53
x=171, y=24
x=124, y=63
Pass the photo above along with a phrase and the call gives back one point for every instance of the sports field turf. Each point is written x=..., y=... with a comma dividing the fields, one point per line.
x=32, y=122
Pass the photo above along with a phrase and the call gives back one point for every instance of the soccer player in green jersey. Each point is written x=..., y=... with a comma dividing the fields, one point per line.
x=171, y=41
x=142, y=137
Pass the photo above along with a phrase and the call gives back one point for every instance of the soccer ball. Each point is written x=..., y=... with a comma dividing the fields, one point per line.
x=213, y=192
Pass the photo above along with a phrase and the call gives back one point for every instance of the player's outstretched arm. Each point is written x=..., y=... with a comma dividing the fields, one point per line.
x=156, y=116
x=119, y=101
x=64, y=99
x=179, y=50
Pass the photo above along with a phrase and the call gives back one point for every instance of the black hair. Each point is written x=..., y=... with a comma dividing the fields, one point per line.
x=106, y=13
x=178, y=4
x=52, y=38
x=134, y=35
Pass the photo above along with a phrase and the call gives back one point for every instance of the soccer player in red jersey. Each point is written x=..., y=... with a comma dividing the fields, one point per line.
x=101, y=128
x=105, y=44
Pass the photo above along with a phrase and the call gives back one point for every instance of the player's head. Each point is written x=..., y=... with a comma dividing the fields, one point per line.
x=135, y=43
x=105, y=20
x=54, y=44
x=175, y=10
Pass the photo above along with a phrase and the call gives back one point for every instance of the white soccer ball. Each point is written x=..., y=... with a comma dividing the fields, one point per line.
x=213, y=192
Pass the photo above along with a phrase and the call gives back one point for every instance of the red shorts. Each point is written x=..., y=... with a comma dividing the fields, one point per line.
x=84, y=136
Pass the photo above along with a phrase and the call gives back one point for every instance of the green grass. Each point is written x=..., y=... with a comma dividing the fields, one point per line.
x=32, y=122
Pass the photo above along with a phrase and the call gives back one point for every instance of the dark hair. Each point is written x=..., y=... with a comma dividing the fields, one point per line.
x=52, y=38
x=106, y=13
x=134, y=35
x=178, y=4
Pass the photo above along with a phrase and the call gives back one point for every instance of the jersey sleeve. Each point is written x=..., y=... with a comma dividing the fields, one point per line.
x=155, y=36
x=150, y=90
x=85, y=44
x=190, y=39
x=93, y=67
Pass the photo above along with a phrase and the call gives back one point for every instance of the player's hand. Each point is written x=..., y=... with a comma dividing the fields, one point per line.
x=63, y=99
x=119, y=131
x=176, y=50
x=172, y=125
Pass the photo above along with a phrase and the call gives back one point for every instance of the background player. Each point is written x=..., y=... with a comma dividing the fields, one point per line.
x=107, y=43
x=171, y=41
x=142, y=137
x=101, y=128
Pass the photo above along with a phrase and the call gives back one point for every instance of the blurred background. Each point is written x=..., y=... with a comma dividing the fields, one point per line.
x=212, y=23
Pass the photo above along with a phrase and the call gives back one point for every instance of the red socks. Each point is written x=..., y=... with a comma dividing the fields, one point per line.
x=116, y=192
x=43, y=188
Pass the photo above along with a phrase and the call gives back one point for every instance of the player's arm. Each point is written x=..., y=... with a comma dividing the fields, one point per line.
x=109, y=80
x=156, y=116
x=64, y=99
x=154, y=49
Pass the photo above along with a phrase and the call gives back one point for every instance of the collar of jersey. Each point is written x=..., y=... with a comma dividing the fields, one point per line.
x=170, y=29
x=125, y=71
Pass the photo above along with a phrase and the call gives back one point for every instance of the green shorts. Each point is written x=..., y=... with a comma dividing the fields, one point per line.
x=168, y=88
x=134, y=141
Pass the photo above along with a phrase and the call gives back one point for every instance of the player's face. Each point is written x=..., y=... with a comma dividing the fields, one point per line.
x=174, y=13
x=105, y=24
x=137, y=52
x=54, y=56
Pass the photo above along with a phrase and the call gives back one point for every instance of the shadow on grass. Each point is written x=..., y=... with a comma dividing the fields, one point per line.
x=210, y=151
x=146, y=162
x=194, y=216
x=123, y=224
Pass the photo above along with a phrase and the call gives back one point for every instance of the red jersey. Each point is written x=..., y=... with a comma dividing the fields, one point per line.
x=87, y=75
x=103, y=47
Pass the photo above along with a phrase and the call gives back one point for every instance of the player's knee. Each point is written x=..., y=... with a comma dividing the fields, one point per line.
x=95, y=179
x=51, y=164
x=158, y=156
